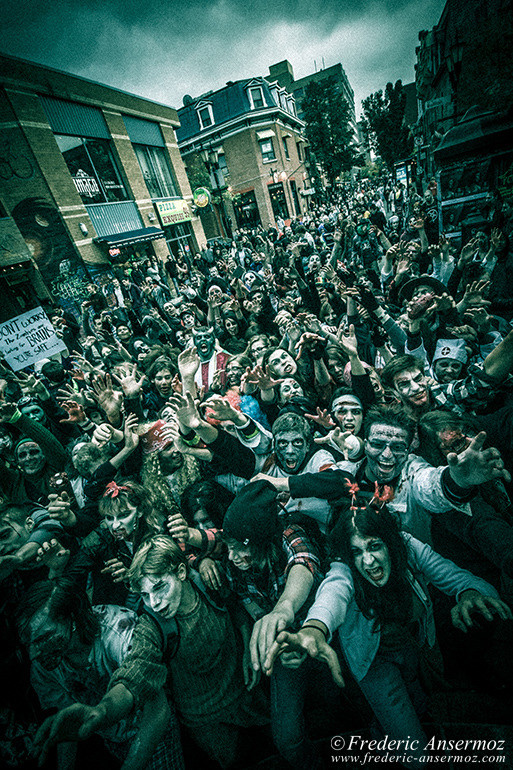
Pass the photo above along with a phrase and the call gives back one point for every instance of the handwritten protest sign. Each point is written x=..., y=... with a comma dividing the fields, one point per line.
x=28, y=338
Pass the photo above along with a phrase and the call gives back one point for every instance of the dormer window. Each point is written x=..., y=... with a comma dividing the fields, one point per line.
x=205, y=115
x=291, y=105
x=256, y=98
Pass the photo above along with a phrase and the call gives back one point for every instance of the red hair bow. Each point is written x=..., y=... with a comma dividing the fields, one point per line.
x=378, y=499
x=353, y=489
x=113, y=490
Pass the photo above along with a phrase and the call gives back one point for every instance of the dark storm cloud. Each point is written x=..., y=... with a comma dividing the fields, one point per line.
x=163, y=51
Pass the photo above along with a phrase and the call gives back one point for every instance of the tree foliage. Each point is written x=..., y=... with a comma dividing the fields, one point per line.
x=384, y=124
x=328, y=130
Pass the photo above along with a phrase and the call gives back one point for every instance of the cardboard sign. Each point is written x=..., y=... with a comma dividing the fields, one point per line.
x=28, y=338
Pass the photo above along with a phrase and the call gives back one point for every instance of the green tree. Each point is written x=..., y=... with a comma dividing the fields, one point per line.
x=384, y=125
x=328, y=130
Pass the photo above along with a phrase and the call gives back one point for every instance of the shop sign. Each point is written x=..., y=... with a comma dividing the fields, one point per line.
x=201, y=197
x=308, y=191
x=28, y=338
x=173, y=212
x=85, y=184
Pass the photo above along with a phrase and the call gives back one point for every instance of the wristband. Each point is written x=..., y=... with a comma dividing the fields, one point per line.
x=309, y=625
x=14, y=417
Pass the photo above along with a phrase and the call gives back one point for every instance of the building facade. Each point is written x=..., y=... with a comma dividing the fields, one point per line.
x=283, y=74
x=90, y=175
x=247, y=136
x=464, y=134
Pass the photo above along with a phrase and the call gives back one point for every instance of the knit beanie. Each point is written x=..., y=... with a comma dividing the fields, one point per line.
x=253, y=515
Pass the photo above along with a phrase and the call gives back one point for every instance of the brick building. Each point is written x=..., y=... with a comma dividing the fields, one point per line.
x=283, y=73
x=90, y=175
x=249, y=138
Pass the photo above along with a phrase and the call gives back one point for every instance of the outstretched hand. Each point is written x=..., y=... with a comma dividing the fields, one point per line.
x=472, y=602
x=476, y=465
x=75, y=723
x=309, y=640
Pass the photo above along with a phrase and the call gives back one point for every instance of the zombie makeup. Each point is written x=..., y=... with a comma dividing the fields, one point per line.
x=447, y=370
x=204, y=343
x=162, y=593
x=122, y=524
x=371, y=559
x=282, y=364
x=162, y=381
x=239, y=554
x=291, y=448
x=386, y=449
x=30, y=457
x=348, y=413
x=288, y=389
x=411, y=386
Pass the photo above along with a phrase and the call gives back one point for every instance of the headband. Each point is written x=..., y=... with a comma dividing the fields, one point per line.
x=346, y=400
x=25, y=440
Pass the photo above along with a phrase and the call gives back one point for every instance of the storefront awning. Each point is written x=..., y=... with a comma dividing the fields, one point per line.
x=132, y=236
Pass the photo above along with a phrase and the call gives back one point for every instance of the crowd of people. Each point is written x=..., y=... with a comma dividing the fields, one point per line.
x=243, y=496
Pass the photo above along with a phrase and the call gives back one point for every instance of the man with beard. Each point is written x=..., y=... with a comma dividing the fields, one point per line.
x=211, y=357
x=418, y=489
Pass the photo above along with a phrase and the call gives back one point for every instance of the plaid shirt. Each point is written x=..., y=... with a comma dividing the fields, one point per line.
x=260, y=590
x=471, y=394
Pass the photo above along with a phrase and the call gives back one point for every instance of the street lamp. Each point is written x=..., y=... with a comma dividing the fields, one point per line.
x=210, y=158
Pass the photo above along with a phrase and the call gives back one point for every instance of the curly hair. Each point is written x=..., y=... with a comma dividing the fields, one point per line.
x=156, y=484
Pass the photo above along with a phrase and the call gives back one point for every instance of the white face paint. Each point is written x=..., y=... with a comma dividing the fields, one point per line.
x=30, y=458
x=371, y=559
x=122, y=524
x=348, y=414
x=411, y=387
x=163, y=593
x=282, y=364
x=386, y=450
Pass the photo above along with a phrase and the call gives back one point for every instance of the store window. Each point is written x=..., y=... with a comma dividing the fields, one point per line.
x=179, y=239
x=267, y=149
x=278, y=200
x=246, y=209
x=93, y=168
x=156, y=171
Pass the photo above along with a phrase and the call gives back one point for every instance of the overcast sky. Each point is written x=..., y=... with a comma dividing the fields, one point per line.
x=164, y=50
